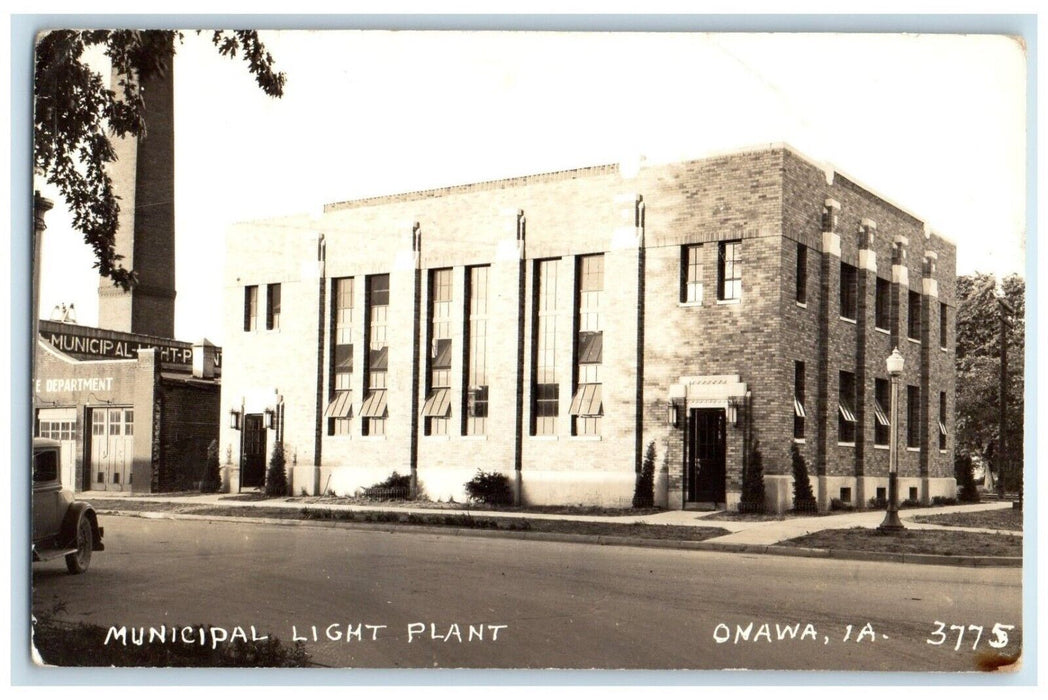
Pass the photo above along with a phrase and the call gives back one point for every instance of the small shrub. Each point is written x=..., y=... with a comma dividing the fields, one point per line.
x=212, y=480
x=644, y=488
x=803, y=498
x=964, y=472
x=489, y=487
x=394, y=487
x=910, y=503
x=753, y=481
x=276, y=476
x=838, y=504
x=878, y=503
x=944, y=501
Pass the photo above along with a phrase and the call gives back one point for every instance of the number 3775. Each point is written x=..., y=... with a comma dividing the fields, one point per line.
x=998, y=635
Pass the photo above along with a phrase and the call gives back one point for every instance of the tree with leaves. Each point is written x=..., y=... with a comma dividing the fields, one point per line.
x=979, y=365
x=77, y=114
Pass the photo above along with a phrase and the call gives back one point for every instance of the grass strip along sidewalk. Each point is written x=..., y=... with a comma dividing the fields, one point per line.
x=435, y=519
x=940, y=542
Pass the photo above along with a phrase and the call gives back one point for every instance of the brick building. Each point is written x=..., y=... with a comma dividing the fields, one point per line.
x=552, y=326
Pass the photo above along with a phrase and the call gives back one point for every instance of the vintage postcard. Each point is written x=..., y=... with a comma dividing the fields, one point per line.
x=528, y=350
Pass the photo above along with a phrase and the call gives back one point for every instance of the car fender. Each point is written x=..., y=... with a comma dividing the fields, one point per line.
x=78, y=510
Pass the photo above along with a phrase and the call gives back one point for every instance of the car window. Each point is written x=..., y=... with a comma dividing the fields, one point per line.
x=45, y=466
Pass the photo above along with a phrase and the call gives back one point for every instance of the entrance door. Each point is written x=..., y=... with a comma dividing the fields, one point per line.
x=253, y=473
x=112, y=448
x=60, y=424
x=706, y=472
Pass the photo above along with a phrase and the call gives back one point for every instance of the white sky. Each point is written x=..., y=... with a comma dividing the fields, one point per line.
x=934, y=123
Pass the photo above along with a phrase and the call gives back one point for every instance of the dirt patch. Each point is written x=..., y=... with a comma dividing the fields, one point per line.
x=1001, y=519
x=941, y=542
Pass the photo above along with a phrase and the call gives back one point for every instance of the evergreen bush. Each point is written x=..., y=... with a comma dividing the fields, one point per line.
x=964, y=471
x=803, y=498
x=489, y=487
x=212, y=480
x=644, y=488
x=276, y=476
x=753, y=481
x=394, y=486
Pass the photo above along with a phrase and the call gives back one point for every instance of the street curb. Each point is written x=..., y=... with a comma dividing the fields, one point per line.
x=608, y=540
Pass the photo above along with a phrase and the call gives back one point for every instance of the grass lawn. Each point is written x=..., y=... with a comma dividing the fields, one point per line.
x=434, y=519
x=940, y=542
x=1002, y=519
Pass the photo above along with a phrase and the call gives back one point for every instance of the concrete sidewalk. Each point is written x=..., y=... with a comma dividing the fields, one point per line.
x=741, y=532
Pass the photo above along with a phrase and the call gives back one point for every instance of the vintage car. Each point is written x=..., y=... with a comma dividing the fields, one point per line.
x=62, y=525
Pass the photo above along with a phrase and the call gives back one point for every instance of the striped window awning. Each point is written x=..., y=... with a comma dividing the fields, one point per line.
x=798, y=408
x=374, y=405
x=942, y=428
x=587, y=401
x=591, y=347
x=881, y=414
x=846, y=413
x=341, y=406
x=438, y=403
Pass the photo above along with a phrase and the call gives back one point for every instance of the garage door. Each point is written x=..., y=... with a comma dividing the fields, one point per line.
x=60, y=424
x=112, y=448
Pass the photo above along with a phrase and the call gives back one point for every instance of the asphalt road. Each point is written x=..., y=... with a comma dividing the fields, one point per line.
x=446, y=601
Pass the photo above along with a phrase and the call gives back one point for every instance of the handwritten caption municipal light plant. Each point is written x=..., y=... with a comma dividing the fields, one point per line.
x=213, y=636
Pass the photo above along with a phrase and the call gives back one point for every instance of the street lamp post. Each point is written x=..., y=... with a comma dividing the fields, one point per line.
x=891, y=523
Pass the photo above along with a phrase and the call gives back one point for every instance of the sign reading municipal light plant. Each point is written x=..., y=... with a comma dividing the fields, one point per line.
x=84, y=346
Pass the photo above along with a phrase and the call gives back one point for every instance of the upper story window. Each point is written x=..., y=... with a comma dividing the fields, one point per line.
x=849, y=292
x=913, y=316
x=846, y=408
x=943, y=326
x=272, y=306
x=802, y=274
x=587, y=406
x=339, y=411
x=882, y=303
x=882, y=407
x=691, y=274
x=729, y=270
x=798, y=400
x=251, y=308
x=913, y=416
x=545, y=405
x=376, y=309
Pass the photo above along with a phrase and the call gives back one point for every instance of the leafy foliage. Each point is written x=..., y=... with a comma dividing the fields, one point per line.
x=644, y=488
x=393, y=486
x=489, y=487
x=964, y=471
x=76, y=114
x=978, y=367
x=803, y=498
x=212, y=476
x=753, y=481
x=276, y=476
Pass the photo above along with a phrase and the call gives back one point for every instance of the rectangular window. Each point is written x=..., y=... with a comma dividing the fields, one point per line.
x=798, y=400
x=846, y=408
x=913, y=316
x=98, y=422
x=339, y=412
x=251, y=308
x=943, y=326
x=802, y=274
x=129, y=421
x=882, y=411
x=437, y=409
x=729, y=270
x=882, y=316
x=913, y=416
x=476, y=395
x=942, y=420
x=691, y=274
x=586, y=405
x=849, y=292
x=545, y=388
x=373, y=411
x=272, y=306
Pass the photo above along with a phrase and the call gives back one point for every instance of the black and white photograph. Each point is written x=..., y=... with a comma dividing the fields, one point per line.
x=636, y=347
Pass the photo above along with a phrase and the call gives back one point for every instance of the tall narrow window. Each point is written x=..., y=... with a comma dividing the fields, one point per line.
x=339, y=410
x=913, y=316
x=943, y=325
x=376, y=308
x=729, y=270
x=272, y=306
x=849, y=292
x=691, y=274
x=545, y=388
x=798, y=400
x=802, y=274
x=587, y=405
x=846, y=408
x=251, y=308
x=476, y=409
x=882, y=305
x=913, y=416
x=942, y=420
x=437, y=409
x=882, y=410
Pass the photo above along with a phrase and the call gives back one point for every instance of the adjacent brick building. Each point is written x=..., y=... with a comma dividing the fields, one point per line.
x=552, y=326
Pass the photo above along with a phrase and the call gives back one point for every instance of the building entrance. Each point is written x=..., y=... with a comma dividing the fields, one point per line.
x=60, y=424
x=112, y=449
x=253, y=472
x=706, y=455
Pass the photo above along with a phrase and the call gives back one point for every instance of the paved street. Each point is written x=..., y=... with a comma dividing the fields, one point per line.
x=536, y=604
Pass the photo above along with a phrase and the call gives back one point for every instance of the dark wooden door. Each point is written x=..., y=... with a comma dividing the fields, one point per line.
x=706, y=455
x=253, y=472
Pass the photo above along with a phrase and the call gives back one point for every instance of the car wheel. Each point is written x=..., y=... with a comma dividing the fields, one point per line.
x=78, y=561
